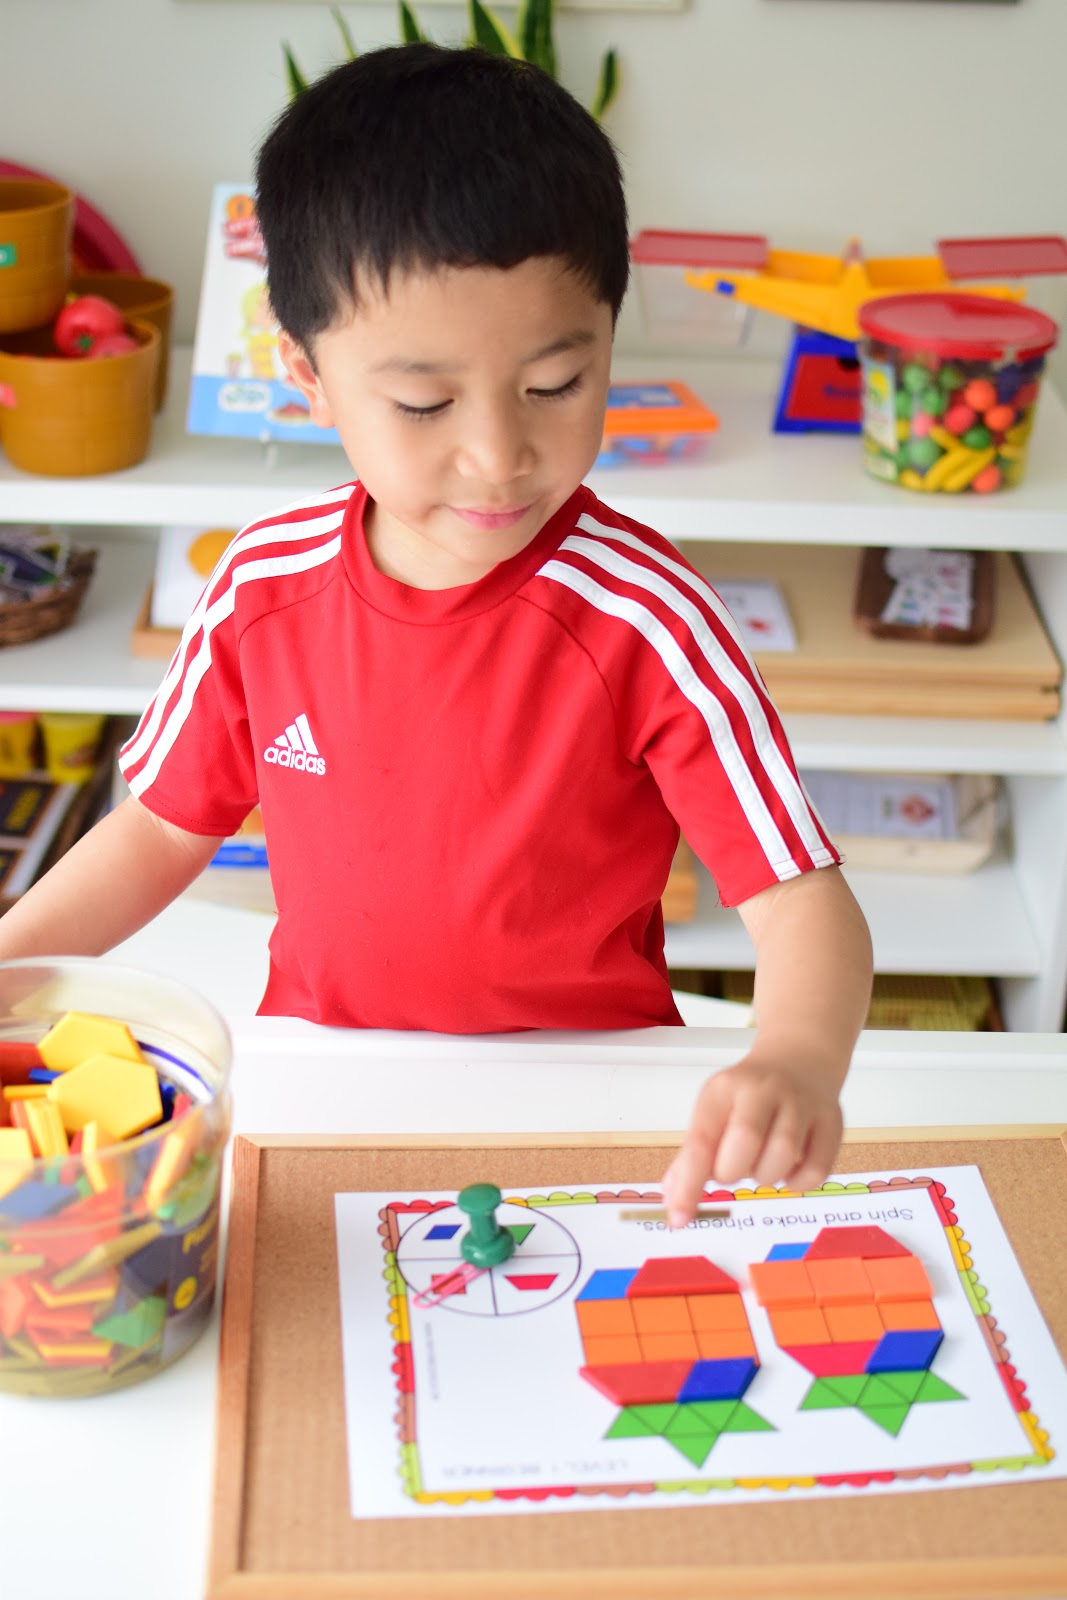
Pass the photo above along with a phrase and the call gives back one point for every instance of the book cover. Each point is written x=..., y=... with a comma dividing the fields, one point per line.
x=239, y=386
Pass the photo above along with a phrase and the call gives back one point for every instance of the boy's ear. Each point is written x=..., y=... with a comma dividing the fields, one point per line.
x=299, y=367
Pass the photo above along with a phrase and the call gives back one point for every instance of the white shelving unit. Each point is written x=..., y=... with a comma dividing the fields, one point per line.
x=1007, y=920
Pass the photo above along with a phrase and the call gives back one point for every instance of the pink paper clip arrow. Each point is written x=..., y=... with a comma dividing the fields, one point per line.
x=451, y=1283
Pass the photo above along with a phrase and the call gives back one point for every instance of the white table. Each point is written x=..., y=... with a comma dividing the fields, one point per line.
x=109, y=1498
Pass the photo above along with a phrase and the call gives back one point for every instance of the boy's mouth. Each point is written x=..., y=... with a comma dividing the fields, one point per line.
x=491, y=517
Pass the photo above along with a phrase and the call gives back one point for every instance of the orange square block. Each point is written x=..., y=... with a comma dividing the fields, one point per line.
x=664, y=1313
x=782, y=1283
x=669, y=1346
x=711, y=1313
x=728, y=1345
x=908, y=1314
x=841, y=1282
x=604, y=1318
x=900, y=1278
x=852, y=1324
x=795, y=1325
x=611, y=1352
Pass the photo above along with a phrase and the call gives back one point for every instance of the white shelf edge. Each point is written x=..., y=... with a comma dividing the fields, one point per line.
x=756, y=485
x=920, y=922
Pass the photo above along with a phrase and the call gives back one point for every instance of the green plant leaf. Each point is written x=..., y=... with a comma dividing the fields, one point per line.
x=608, y=86
x=533, y=30
x=293, y=75
x=342, y=28
x=410, y=31
x=489, y=32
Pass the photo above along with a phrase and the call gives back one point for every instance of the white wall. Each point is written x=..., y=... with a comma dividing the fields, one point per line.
x=896, y=120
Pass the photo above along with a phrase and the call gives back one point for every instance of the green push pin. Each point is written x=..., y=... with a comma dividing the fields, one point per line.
x=487, y=1244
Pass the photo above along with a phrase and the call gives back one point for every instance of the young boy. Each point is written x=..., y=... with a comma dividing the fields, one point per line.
x=473, y=702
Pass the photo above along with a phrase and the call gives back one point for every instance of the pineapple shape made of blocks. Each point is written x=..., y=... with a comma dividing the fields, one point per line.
x=855, y=1308
x=670, y=1343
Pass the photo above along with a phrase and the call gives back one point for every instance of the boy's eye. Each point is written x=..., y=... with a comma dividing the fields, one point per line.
x=558, y=394
x=419, y=413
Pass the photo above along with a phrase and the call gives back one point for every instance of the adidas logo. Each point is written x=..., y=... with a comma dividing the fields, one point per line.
x=296, y=748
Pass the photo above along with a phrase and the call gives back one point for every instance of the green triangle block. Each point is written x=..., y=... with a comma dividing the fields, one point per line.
x=877, y=1392
x=657, y=1417
x=822, y=1396
x=745, y=1420
x=891, y=1418
x=848, y=1387
x=935, y=1388
x=520, y=1230
x=686, y=1423
x=136, y=1327
x=629, y=1426
x=695, y=1447
x=716, y=1413
x=906, y=1384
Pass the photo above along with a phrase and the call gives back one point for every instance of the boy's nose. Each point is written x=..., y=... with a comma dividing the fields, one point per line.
x=495, y=450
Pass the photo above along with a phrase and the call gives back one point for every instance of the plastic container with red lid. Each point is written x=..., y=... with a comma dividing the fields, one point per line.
x=950, y=386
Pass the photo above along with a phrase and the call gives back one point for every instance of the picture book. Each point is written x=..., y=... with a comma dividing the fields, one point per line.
x=239, y=386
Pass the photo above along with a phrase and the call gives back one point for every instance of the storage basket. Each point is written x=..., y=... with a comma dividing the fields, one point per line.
x=24, y=620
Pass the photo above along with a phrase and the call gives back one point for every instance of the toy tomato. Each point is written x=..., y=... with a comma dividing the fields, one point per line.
x=113, y=344
x=83, y=321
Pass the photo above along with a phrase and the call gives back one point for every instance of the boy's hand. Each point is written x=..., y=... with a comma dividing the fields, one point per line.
x=760, y=1119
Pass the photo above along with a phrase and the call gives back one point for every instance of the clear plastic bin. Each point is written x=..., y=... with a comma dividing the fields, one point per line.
x=648, y=424
x=950, y=387
x=108, y=1261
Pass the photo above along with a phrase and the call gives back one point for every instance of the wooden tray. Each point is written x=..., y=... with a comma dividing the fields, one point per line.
x=875, y=586
x=837, y=667
x=281, y=1525
x=153, y=644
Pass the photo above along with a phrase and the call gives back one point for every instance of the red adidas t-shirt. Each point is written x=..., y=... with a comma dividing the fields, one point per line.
x=472, y=796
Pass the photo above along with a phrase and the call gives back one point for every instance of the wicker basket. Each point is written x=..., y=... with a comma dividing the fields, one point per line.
x=23, y=620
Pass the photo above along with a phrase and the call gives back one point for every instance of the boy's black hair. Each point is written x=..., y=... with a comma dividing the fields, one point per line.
x=416, y=157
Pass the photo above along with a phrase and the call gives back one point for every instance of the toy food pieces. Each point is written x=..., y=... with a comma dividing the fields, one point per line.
x=109, y=1181
x=950, y=385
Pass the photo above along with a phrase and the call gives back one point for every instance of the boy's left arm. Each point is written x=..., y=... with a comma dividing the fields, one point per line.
x=775, y=1116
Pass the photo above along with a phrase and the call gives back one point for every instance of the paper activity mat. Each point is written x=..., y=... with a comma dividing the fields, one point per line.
x=874, y=1335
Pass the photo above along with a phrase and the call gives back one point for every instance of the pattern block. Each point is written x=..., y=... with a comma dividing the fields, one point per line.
x=639, y=1382
x=782, y=1283
x=608, y=1283
x=859, y=1243
x=718, y=1380
x=871, y=1332
x=670, y=1336
x=681, y=1275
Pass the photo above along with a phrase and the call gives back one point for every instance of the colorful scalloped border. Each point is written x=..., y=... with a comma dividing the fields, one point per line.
x=1039, y=1449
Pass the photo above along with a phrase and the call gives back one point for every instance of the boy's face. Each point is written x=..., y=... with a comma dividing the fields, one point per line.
x=470, y=402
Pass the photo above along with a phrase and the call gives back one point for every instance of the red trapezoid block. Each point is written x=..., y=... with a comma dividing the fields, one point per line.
x=832, y=1360
x=639, y=1383
x=680, y=1275
x=868, y=1243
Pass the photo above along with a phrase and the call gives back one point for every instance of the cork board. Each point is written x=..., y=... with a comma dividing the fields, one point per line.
x=281, y=1522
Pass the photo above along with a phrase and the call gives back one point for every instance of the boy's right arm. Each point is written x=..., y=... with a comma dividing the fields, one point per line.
x=117, y=877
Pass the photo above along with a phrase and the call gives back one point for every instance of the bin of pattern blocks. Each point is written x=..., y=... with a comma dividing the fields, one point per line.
x=108, y=1247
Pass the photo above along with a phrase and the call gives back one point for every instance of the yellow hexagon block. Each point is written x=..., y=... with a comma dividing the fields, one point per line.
x=79, y=1035
x=110, y=1090
x=16, y=1158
